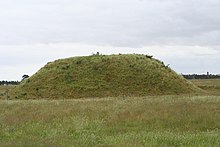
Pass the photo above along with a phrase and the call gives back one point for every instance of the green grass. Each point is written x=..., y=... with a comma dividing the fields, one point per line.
x=172, y=120
x=212, y=86
x=5, y=92
x=120, y=121
x=104, y=76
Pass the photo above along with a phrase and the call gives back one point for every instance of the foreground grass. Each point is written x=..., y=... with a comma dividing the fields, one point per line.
x=145, y=121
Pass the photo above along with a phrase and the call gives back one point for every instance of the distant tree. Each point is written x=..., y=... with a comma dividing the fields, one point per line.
x=25, y=77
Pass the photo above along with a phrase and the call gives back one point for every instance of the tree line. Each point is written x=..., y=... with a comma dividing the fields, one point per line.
x=9, y=82
x=14, y=82
x=186, y=76
x=200, y=76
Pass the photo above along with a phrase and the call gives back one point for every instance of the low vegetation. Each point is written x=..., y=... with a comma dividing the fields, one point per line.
x=5, y=92
x=137, y=121
x=211, y=86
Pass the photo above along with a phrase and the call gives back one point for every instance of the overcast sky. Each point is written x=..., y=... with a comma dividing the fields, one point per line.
x=182, y=33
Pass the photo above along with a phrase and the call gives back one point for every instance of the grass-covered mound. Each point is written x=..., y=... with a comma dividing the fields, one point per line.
x=103, y=76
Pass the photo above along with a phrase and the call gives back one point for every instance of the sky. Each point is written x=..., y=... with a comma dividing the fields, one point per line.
x=182, y=33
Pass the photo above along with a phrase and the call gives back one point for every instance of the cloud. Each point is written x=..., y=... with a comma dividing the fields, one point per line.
x=17, y=60
x=184, y=34
x=128, y=23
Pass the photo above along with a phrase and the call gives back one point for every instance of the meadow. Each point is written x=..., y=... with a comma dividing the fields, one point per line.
x=212, y=86
x=112, y=121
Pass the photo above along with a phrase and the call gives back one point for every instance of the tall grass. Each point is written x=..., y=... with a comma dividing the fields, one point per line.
x=134, y=121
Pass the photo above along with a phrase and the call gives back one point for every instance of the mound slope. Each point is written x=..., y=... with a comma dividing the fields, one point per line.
x=103, y=76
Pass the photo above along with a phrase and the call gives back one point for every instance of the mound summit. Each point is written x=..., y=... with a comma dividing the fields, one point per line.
x=103, y=76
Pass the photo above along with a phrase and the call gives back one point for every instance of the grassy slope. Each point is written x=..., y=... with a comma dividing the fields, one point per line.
x=143, y=121
x=101, y=76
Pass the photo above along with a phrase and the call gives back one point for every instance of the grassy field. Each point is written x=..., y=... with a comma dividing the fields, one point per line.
x=210, y=85
x=116, y=121
x=5, y=92
x=135, y=121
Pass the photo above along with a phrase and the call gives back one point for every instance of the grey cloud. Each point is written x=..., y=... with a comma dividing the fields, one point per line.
x=130, y=23
x=197, y=64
